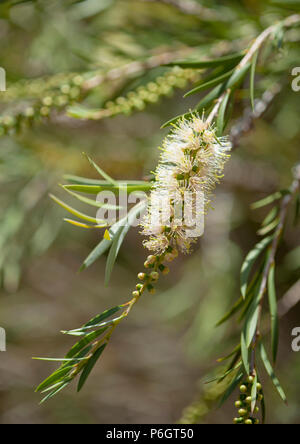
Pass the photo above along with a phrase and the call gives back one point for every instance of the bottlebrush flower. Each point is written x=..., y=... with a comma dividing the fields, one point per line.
x=191, y=164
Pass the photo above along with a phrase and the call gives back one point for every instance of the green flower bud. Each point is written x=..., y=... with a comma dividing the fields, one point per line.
x=135, y=294
x=151, y=259
x=142, y=276
x=242, y=412
x=238, y=404
x=243, y=388
x=139, y=287
x=258, y=386
x=154, y=275
x=248, y=421
x=250, y=379
x=248, y=400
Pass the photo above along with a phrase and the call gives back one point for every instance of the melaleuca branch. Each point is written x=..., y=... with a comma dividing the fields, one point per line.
x=192, y=159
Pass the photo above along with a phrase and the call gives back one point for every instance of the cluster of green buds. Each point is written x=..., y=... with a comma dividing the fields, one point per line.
x=37, y=108
x=154, y=265
x=243, y=404
x=151, y=92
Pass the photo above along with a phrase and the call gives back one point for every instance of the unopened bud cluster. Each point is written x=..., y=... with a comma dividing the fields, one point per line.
x=154, y=266
x=243, y=404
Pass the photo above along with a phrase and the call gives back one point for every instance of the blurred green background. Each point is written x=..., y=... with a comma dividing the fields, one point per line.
x=159, y=359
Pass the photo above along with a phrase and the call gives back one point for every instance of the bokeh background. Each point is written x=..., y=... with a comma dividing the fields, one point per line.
x=159, y=359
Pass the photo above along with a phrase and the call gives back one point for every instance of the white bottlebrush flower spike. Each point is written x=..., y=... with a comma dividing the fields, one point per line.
x=191, y=164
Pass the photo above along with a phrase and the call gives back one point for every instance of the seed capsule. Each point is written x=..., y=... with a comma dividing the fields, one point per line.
x=258, y=386
x=248, y=421
x=238, y=420
x=242, y=412
x=141, y=276
x=248, y=400
x=238, y=404
x=250, y=379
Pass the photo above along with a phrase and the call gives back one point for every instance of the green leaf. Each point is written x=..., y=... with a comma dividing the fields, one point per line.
x=250, y=261
x=238, y=76
x=245, y=353
x=91, y=202
x=222, y=377
x=252, y=319
x=97, y=321
x=95, y=189
x=59, y=388
x=210, y=97
x=270, y=217
x=209, y=84
x=252, y=78
x=89, y=367
x=119, y=238
x=55, y=377
x=75, y=212
x=271, y=373
x=78, y=180
x=254, y=393
x=273, y=311
x=88, y=338
x=269, y=199
x=268, y=228
x=100, y=171
x=232, y=386
x=221, y=114
x=236, y=57
x=236, y=349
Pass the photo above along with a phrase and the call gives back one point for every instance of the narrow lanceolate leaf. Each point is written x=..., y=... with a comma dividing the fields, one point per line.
x=58, y=389
x=78, y=180
x=95, y=189
x=254, y=393
x=119, y=238
x=273, y=311
x=88, y=338
x=82, y=225
x=269, y=199
x=237, y=76
x=89, y=367
x=210, y=84
x=97, y=321
x=57, y=376
x=250, y=261
x=221, y=114
x=268, y=228
x=252, y=78
x=245, y=353
x=100, y=171
x=209, y=63
x=232, y=386
x=251, y=319
x=91, y=202
x=271, y=373
x=75, y=212
x=222, y=377
x=270, y=216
